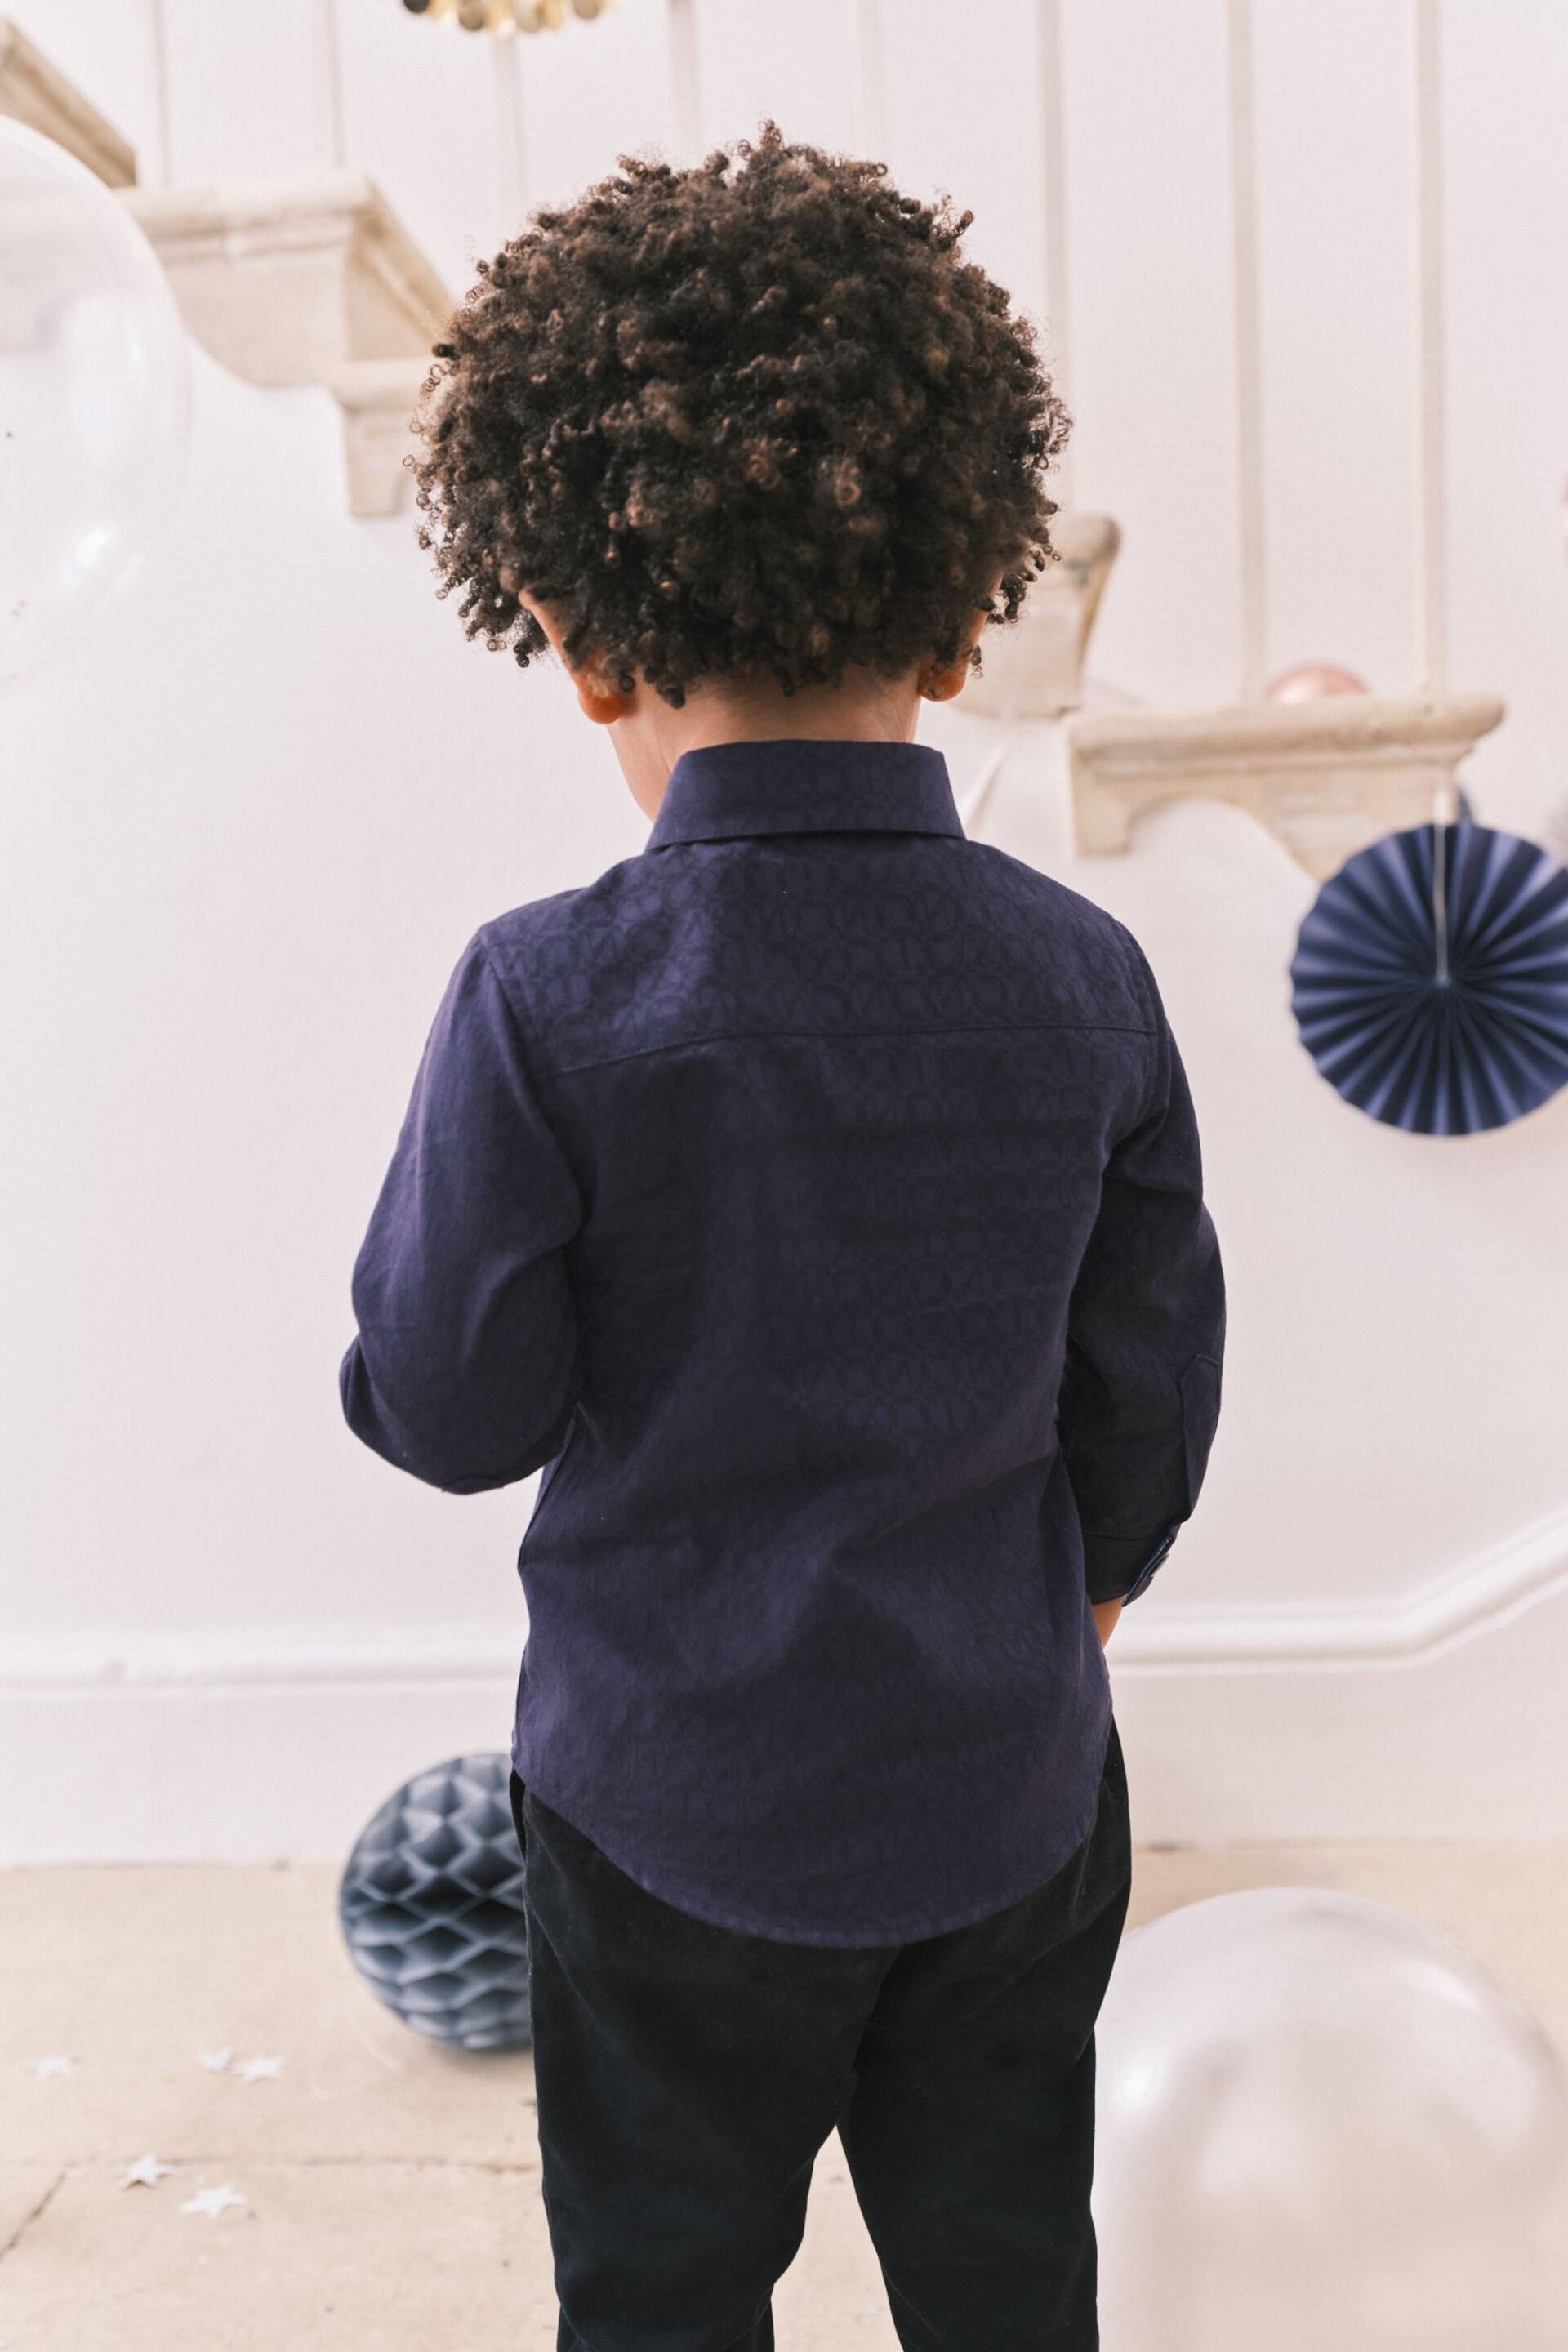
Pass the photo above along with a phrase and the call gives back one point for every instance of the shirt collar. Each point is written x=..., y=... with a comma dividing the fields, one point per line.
x=805, y=786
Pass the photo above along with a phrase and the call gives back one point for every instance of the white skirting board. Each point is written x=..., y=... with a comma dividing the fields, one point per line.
x=248, y=1772
x=1437, y=1716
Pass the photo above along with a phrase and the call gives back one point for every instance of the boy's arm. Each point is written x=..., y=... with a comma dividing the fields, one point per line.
x=465, y=1370
x=1141, y=1394
x=1106, y=1615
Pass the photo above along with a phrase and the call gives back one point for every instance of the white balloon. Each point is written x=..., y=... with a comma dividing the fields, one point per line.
x=94, y=399
x=1323, y=2127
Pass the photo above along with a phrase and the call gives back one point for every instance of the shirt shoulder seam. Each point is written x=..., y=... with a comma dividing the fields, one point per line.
x=849, y=1037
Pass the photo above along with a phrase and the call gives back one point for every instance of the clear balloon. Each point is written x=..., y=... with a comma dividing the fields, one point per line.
x=1323, y=2127
x=94, y=399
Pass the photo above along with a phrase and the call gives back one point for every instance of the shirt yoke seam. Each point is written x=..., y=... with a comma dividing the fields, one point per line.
x=848, y=1036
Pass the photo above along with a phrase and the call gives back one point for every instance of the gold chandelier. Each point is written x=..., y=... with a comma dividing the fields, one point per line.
x=507, y=15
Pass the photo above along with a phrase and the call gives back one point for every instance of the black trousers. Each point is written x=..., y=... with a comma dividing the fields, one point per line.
x=686, y=2075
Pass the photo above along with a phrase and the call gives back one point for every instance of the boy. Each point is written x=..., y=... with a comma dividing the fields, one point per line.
x=816, y=1198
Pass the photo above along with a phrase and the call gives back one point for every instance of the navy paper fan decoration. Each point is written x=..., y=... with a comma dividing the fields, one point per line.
x=431, y=1906
x=1430, y=979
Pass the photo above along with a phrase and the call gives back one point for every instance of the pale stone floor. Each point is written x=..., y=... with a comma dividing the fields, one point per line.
x=392, y=2187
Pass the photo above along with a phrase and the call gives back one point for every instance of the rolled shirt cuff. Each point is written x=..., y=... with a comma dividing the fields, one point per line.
x=1119, y=1568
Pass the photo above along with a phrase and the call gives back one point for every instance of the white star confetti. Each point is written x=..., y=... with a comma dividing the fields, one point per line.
x=144, y=2172
x=214, y=2060
x=260, y=2070
x=45, y=2068
x=214, y=2201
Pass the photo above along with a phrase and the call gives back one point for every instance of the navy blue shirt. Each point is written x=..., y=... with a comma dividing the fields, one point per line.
x=816, y=1197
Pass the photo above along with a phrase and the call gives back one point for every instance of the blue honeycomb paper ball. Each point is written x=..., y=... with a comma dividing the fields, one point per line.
x=431, y=1906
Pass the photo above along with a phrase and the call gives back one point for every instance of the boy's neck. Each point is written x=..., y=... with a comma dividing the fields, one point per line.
x=652, y=736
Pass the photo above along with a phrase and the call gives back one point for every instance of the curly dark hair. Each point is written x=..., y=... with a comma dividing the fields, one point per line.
x=758, y=419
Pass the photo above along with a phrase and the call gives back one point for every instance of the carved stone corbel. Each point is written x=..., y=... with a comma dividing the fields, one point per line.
x=1326, y=778
x=377, y=398
x=1033, y=670
x=283, y=280
x=36, y=92
x=311, y=280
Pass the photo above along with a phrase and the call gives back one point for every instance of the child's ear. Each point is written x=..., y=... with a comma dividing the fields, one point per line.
x=599, y=700
x=601, y=703
x=941, y=685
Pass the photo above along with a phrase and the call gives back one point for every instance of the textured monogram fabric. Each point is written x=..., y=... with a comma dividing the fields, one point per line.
x=816, y=1198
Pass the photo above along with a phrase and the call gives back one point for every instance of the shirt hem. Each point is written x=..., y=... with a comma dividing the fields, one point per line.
x=793, y=1931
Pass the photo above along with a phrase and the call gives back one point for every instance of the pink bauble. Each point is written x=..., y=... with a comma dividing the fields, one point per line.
x=1310, y=681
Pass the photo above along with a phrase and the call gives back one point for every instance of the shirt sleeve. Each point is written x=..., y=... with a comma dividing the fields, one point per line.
x=1141, y=1394
x=464, y=1371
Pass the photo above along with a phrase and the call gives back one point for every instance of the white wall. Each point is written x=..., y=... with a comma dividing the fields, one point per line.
x=245, y=831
